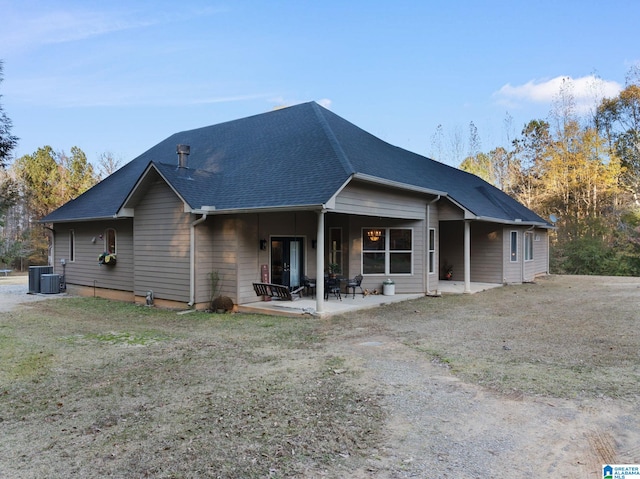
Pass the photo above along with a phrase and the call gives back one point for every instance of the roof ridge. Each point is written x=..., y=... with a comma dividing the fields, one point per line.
x=333, y=140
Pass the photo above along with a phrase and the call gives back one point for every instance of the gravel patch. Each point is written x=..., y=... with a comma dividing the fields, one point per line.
x=14, y=291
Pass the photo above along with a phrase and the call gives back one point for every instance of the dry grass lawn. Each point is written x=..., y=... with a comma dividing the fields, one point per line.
x=93, y=388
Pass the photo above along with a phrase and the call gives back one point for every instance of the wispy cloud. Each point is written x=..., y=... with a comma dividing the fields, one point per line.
x=586, y=91
x=23, y=30
x=25, y=27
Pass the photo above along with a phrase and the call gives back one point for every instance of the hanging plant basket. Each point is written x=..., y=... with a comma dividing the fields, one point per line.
x=107, y=259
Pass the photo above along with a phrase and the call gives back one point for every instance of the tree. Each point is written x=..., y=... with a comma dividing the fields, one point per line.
x=40, y=181
x=619, y=120
x=49, y=179
x=77, y=174
x=474, y=140
x=8, y=189
x=8, y=194
x=581, y=183
x=7, y=141
x=107, y=165
x=480, y=165
x=46, y=181
x=436, y=143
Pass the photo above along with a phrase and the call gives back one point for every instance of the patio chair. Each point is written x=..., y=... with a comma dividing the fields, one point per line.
x=355, y=283
x=332, y=286
x=309, y=285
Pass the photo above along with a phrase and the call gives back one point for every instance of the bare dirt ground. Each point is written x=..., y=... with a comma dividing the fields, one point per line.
x=476, y=409
x=538, y=380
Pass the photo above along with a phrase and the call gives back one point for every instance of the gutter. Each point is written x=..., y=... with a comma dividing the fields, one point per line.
x=210, y=210
x=532, y=224
x=192, y=260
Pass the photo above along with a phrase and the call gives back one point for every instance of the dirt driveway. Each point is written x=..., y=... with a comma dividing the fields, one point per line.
x=443, y=426
x=439, y=423
x=434, y=367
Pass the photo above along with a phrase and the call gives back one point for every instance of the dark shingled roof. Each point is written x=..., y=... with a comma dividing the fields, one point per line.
x=293, y=157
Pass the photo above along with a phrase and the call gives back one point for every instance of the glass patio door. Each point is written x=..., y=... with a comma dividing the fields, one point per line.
x=286, y=261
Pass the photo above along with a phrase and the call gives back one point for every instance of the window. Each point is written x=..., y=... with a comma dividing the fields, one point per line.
x=528, y=246
x=335, y=246
x=514, y=246
x=387, y=251
x=72, y=245
x=432, y=250
x=110, y=241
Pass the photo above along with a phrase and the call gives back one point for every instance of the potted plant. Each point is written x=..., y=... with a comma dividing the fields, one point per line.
x=107, y=258
x=334, y=269
x=388, y=287
x=448, y=271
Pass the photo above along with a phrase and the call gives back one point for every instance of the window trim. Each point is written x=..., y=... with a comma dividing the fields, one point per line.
x=513, y=246
x=338, y=252
x=387, y=251
x=115, y=241
x=431, y=250
x=528, y=246
x=72, y=245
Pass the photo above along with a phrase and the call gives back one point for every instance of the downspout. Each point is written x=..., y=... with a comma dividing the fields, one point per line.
x=428, y=236
x=192, y=260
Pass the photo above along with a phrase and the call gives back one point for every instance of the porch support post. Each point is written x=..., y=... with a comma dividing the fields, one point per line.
x=320, y=263
x=467, y=256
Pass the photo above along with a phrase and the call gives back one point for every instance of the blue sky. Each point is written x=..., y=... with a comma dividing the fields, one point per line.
x=121, y=76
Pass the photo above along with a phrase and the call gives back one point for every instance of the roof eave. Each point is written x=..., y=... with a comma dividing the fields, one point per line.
x=126, y=208
x=397, y=184
x=515, y=222
x=212, y=210
x=86, y=218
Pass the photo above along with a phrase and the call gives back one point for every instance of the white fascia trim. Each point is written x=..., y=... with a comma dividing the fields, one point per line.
x=266, y=209
x=122, y=212
x=514, y=222
x=331, y=203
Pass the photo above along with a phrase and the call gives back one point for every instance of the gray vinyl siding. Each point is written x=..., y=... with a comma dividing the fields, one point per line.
x=486, y=252
x=204, y=260
x=517, y=272
x=451, y=248
x=432, y=279
x=512, y=269
x=405, y=283
x=541, y=252
x=367, y=200
x=447, y=211
x=162, y=245
x=85, y=270
x=250, y=256
x=244, y=232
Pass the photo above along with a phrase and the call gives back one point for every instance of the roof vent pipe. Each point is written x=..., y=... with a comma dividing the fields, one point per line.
x=183, y=153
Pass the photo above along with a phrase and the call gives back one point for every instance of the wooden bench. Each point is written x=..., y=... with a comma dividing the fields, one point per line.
x=277, y=291
x=6, y=271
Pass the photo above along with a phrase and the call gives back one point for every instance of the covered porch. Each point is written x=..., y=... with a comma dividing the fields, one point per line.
x=333, y=306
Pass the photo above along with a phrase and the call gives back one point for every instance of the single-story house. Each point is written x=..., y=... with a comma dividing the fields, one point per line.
x=280, y=196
